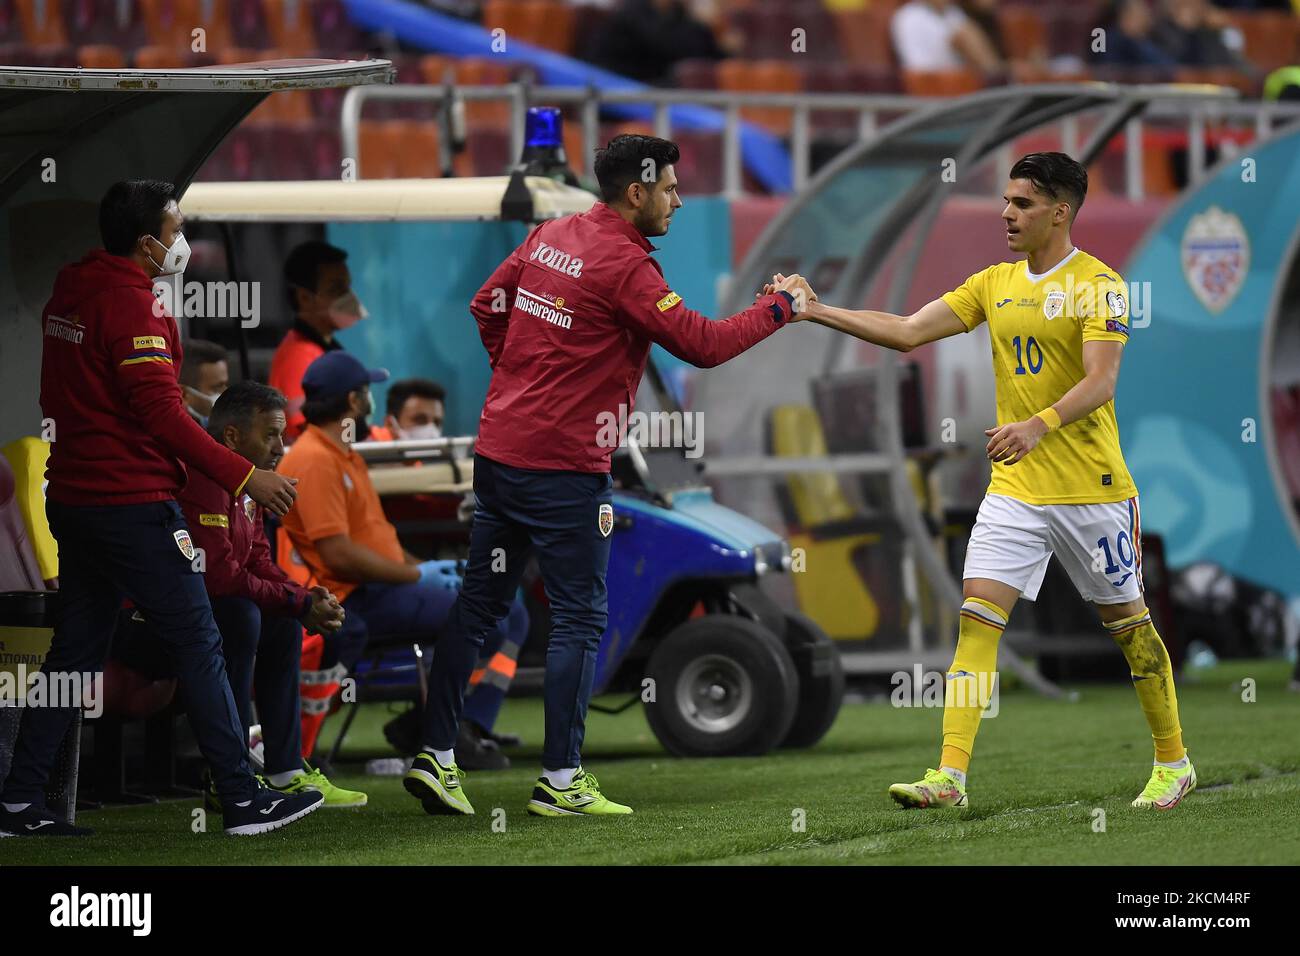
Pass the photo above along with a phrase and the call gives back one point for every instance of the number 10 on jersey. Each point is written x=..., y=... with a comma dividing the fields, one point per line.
x=1032, y=353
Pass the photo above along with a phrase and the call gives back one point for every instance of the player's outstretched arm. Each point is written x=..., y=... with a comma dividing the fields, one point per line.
x=933, y=321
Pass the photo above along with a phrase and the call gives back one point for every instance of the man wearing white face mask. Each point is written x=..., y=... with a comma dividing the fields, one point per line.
x=205, y=374
x=416, y=408
x=109, y=368
x=319, y=287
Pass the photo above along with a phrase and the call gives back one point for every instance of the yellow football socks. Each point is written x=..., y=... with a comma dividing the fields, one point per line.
x=1153, y=679
x=970, y=679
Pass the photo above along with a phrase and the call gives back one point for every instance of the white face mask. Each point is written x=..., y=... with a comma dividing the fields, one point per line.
x=346, y=311
x=177, y=256
x=419, y=432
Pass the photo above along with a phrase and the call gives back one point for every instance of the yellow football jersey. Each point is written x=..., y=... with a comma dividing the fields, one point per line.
x=1038, y=325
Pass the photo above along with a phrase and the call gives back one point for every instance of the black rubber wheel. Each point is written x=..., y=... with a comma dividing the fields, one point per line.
x=724, y=686
x=821, y=680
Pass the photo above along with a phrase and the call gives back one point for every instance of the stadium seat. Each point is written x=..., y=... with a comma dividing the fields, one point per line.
x=488, y=150
x=1244, y=83
x=104, y=22
x=171, y=23
x=941, y=82
x=290, y=25
x=1270, y=37
x=695, y=75
x=762, y=76
x=41, y=22
x=98, y=56
x=379, y=142
x=545, y=23
x=482, y=71
x=864, y=36
x=1024, y=32
x=828, y=529
x=418, y=156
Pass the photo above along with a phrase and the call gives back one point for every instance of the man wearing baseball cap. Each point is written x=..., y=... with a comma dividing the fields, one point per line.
x=338, y=527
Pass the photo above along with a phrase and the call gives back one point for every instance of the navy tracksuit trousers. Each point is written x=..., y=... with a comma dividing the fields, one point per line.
x=556, y=515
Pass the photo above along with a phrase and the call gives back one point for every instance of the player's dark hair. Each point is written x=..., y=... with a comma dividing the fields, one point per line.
x=302, y=267
x=1055, y=175
x=130, y=209
x=199, y=352
x=240, y=403
x=327, y=409
x=623, y=162
x=406, y=388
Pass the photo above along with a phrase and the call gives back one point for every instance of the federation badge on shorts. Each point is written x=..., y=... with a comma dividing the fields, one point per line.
x=1053, y=304
x=605, y=520
x=184, y=543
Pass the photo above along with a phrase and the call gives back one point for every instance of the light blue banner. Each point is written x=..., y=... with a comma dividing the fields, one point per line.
x=1195, y=381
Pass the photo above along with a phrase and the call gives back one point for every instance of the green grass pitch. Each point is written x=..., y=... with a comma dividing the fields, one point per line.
x=1042, y=769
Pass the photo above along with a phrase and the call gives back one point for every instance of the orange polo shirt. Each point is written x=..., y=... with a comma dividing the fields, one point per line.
x=335, y=496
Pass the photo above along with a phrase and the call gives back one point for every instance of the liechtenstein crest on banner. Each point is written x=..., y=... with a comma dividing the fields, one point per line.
x=1216, y=255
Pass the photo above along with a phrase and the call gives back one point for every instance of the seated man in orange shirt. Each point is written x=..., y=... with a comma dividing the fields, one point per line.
x=339, y=530
x=320, y=295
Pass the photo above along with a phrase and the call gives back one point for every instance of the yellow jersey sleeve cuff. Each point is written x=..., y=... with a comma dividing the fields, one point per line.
x=240, y=489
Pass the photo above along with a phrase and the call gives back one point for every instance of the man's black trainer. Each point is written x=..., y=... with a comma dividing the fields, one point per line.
x=36, y=821
x=269, y=810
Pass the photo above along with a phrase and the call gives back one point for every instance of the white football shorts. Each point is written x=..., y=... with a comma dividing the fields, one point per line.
x=1100, y=546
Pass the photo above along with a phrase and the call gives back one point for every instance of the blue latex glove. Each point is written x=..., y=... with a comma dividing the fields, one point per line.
x=442, y=573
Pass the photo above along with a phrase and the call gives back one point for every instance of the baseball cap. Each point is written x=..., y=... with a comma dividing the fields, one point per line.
x=337, y=373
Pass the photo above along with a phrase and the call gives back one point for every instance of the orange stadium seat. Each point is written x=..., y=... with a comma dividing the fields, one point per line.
x=1024, y=33
x=482, y=71
x=42, y=23
x=417, y=157
x=379, y=142
x=1270, y=37
x=546, y=23
x=765, y=76
x=100, y=56
x=695, y=75
x=864, y=35
x=290, y=25
x=172, y=22
x=941, y=82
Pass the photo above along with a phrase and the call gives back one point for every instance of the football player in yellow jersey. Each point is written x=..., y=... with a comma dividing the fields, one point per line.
x=1058, y=320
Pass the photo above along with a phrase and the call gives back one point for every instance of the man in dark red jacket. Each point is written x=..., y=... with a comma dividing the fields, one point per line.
x=258, y=609
x=122, y=443
x=568, y=320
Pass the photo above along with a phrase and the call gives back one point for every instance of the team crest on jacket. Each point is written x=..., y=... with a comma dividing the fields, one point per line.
x=1216, y=257
x=250, y=508
x=1053, y=304
x=605, y=520
x=184, y=543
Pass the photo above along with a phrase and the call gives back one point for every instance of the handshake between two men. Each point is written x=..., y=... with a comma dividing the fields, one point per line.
x=796, y=285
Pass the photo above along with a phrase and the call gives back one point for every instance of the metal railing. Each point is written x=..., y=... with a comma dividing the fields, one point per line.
x=1199, y=116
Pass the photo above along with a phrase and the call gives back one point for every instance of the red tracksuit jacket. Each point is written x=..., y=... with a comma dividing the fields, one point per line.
x=568, y=320
x=237, y=559
x=110, y=369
